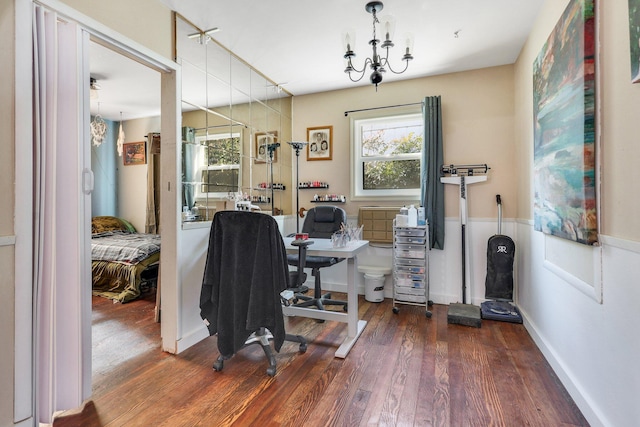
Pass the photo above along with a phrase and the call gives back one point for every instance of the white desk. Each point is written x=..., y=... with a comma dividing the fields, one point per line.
x=323, y=247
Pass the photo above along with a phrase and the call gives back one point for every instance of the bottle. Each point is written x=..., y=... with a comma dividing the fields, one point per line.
x=422, y=219
x=413, y=216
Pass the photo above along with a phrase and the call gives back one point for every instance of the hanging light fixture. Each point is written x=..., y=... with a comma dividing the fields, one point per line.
x=98, y=130
x=377, y=63
x=94, y=87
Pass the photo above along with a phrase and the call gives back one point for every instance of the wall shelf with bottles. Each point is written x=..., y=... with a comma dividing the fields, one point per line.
x=260, y=199
x=312, y=185
x=329, y=198
x=263, y=186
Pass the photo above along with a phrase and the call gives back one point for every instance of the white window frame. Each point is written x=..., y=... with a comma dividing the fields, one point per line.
x=201, y=160
x=357, y=191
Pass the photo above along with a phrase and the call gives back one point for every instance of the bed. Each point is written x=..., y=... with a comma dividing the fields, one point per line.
x=121, y=258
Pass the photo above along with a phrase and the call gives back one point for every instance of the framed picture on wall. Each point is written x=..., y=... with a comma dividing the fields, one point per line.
x=263, y=140
x=564, y=164
x=134, y=153
x=320, y=145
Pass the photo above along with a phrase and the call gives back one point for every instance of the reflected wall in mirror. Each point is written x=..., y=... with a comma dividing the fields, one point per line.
x=226, y=104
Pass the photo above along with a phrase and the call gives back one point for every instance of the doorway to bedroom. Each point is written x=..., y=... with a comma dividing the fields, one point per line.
x=125, y=155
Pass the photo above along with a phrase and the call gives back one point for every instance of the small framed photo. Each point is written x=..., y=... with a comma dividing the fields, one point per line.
x=263, y=141
x=134, y=153
x=320, y=145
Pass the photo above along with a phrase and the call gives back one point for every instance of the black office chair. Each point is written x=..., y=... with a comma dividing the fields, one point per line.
x=245, y=272
x=321, y=222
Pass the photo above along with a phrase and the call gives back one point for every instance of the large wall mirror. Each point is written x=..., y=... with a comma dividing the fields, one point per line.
x=233, y=119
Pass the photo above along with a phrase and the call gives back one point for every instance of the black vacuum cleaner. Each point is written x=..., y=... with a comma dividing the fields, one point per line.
x=499, y=281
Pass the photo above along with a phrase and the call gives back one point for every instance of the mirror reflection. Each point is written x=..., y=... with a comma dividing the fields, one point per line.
x=236, y=123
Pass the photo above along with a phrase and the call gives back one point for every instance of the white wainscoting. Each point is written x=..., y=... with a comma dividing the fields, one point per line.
x=445, y=266
x=592, y=346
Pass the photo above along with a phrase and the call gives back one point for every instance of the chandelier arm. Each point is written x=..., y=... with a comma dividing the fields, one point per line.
x=388, y=64
x=364, y=66
x=359, y=78
x=406, y=66
x=360, y=72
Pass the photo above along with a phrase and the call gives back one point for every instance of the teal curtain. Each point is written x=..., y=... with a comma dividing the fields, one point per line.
x=104, y=164
x=432, y=197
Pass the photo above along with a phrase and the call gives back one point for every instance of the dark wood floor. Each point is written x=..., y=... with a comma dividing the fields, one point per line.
x=405, y=370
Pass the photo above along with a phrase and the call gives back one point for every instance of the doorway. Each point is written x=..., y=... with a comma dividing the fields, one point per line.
x=70, y=384
x=125, y=106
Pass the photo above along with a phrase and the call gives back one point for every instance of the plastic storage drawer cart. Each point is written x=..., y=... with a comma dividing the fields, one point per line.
x=410, y=267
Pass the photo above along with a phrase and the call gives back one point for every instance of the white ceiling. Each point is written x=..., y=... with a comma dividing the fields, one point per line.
x=127, y=89
x=298, y=44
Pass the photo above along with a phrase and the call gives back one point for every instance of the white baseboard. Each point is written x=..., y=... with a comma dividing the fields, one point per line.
x=579, y=396
x=191, y=339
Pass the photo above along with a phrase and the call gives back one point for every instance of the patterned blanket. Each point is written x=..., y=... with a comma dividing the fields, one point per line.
x=122, y=247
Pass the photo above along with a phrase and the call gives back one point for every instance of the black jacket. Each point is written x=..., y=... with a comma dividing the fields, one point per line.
x=245, y=271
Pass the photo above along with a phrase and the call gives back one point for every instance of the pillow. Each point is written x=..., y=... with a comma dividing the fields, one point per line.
x=102, y=224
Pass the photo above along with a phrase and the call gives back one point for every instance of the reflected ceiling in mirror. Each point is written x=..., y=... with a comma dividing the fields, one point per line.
x=226, y=79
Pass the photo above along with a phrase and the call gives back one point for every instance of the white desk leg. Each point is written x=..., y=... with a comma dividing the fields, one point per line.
x=354, y=326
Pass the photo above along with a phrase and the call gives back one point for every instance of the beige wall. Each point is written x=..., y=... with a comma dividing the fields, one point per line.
x=7, y=92
x=148, y=22
x=132, y=180
x=477, y=113
x=620, y=104
x=7, y=159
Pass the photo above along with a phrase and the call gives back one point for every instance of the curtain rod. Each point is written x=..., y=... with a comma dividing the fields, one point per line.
x=346, y=113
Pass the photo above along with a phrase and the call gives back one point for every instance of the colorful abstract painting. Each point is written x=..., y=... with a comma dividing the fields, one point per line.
x=634, y=36
x=564, y=128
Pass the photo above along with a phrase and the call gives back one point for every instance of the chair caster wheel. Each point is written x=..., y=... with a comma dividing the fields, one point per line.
x=396, y=310
x=428, y=314
x=303, y=348
x=218, y=365
x=271, y=371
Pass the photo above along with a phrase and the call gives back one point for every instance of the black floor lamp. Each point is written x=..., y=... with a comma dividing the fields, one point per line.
x=271, y=148
x=297, y=146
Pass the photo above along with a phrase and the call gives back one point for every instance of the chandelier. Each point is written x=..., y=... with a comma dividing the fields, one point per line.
x=377, y=63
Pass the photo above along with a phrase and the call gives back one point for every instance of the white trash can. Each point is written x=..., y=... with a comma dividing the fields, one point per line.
x=374, y=287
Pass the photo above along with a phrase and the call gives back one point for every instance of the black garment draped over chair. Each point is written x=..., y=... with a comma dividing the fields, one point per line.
x=321, y=222
x=245, y=271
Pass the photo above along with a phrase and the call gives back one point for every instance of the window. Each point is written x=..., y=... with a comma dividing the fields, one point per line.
x=218, y=164
x=387, y=157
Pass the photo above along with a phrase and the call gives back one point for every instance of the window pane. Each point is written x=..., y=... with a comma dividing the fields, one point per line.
x=390, y=139
x=223, y=151
x=219, y=181
x=393, y=174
